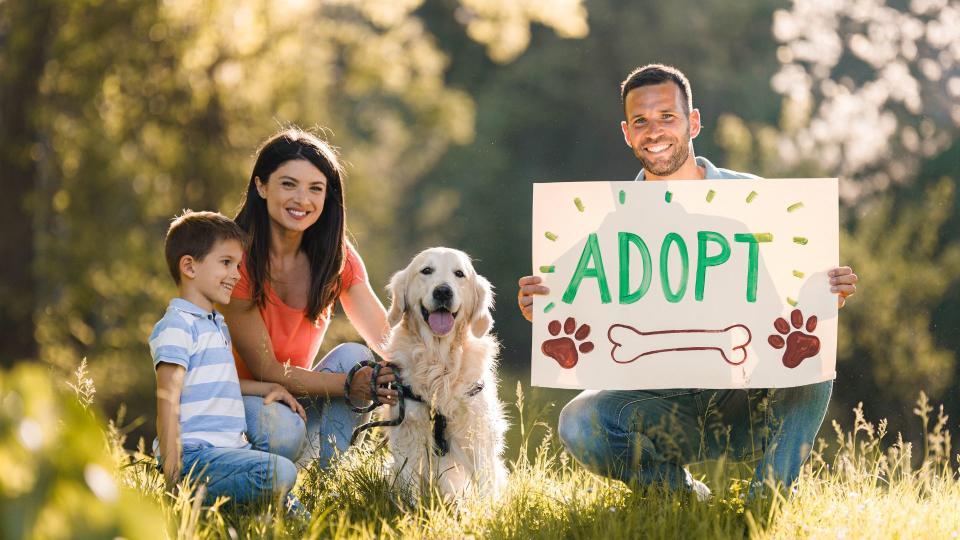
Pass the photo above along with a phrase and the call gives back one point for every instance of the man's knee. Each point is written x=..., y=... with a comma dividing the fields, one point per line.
x=821, y=392
x=577, y=428
x=802, y=406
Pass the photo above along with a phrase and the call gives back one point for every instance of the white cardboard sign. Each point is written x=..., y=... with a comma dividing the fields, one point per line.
x=685, y=284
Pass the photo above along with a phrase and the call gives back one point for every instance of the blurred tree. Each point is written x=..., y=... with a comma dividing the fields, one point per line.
x=24, y=29
x=888, y=350
x=867, y=91
x=870, y=95
x=140, y=109
x=554, y=115
x=871, y=88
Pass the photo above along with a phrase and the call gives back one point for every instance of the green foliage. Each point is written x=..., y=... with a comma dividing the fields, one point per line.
x=140, y=109
x=876, y=83
x=554, y=115
x=67, y=476
x=135, y=110
x=864, y=100
x=906, y=267
x=60, y=478
x=905, y=249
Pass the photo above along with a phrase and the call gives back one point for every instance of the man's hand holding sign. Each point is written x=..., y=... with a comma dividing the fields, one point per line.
x=690, y=303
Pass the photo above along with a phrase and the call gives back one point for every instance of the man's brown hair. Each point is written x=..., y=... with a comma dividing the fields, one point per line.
x=195, y=234
x=652, y=74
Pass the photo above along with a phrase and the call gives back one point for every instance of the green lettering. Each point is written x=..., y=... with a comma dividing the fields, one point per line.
x=703, y=261
x=591, y=250
x=754, y=262
x=626, y=239
x=668, y=240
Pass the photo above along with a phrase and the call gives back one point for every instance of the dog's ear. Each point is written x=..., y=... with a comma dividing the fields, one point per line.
x=481, y=320
x=398, y=297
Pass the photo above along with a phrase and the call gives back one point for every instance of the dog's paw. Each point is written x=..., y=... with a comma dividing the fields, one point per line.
x=564, y=349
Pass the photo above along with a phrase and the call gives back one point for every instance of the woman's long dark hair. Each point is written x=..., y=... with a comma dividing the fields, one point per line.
x=322, y=242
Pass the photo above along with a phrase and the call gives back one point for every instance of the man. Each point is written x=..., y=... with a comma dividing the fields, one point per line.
x=647, y=436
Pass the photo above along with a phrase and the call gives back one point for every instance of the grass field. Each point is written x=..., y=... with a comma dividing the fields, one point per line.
x=69, y=476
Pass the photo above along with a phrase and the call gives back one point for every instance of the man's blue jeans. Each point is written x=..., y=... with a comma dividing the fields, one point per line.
x=275, y=428
x=647, y=436
x=244, y=475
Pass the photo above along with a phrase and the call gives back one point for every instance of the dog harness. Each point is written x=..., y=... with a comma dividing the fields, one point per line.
x=440, y=444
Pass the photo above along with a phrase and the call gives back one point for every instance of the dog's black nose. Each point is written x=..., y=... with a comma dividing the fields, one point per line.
x=443, y=294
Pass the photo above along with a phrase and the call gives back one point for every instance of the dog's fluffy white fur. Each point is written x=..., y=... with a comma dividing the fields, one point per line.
x=442, y=369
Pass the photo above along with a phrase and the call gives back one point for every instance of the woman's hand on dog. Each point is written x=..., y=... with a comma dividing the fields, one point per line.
x=360, y=386
x=529, y=286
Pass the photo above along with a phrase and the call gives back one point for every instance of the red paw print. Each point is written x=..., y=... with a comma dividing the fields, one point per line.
x=800, y=346
x=564, y=349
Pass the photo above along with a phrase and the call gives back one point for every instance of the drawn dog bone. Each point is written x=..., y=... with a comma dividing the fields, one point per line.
x=630, y=343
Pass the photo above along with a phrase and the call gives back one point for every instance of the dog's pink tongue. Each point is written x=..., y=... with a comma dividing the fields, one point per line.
x=441, y=322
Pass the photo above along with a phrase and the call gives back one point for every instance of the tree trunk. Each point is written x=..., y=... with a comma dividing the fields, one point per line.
x=25, y=38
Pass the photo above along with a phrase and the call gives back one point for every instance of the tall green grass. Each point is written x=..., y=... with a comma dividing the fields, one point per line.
x=859, y=483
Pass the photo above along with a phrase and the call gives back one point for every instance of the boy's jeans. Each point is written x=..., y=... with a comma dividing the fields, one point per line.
x=275, y=428
x=647, y=436
x=244, y=475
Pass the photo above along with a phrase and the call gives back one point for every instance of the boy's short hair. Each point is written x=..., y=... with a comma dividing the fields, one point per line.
x=195, y=234
x=652, y=74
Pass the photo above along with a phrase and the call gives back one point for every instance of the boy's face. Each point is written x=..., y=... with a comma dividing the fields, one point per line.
x=215, y=276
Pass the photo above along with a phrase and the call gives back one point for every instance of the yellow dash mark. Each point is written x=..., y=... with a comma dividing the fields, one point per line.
x=791, y=301
x=800, y=240
x=710, y=195
x=547, y=269
x=550, y=236
x=751, y=196
x=763, y=237
x=798, y=274
x=579, y=204
x=795, y=206
x=548, y=307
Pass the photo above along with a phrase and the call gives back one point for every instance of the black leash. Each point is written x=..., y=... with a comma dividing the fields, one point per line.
x=441, y=446
x=375, y=399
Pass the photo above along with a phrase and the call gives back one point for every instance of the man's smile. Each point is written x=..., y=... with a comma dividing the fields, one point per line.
x=657, y=148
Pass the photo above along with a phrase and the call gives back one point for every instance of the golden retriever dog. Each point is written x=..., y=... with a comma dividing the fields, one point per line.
x=452, y=436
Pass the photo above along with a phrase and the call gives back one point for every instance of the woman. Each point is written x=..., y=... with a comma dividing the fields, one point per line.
x=297, y=264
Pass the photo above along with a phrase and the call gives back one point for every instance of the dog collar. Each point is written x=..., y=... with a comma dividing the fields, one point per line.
x=408, y=392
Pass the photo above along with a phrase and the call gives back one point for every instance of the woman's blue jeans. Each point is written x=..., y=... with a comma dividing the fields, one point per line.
x=648, y=436
x=275, y=428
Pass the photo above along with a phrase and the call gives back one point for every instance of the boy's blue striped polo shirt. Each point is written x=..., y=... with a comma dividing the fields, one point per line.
x=211, y=406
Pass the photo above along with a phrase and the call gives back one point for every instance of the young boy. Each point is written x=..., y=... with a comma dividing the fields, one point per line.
x=200, y=414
